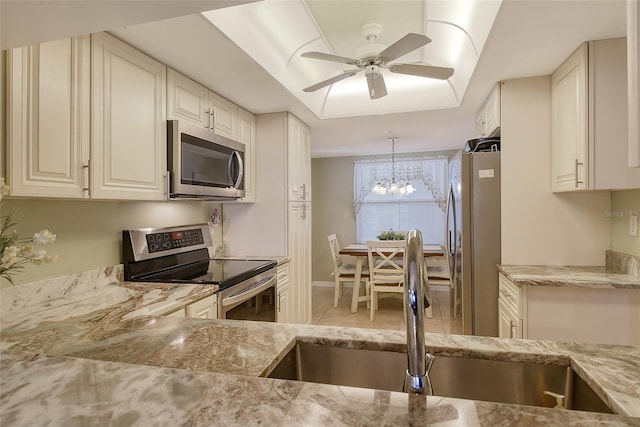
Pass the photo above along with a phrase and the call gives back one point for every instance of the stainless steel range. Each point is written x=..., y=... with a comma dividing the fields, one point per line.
x=246, y=288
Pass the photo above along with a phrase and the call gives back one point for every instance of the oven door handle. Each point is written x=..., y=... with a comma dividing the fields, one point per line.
x=249, y=292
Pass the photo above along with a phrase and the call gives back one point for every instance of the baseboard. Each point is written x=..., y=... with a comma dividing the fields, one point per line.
x=329, y=284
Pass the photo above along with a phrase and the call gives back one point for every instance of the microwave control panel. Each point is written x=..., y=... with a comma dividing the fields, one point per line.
x=164, y=241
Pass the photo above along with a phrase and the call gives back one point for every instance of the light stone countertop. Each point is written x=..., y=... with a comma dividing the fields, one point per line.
x=568, y=276
x=69, y=364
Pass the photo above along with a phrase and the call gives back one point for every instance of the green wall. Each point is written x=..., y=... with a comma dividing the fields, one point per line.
x=623, y=203
x=332, y=207
x=89, y=233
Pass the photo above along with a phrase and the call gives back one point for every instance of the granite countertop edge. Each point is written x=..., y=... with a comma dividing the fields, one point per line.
x=594, y=277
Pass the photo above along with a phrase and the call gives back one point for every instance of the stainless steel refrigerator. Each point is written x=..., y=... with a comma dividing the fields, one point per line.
x=473, y=239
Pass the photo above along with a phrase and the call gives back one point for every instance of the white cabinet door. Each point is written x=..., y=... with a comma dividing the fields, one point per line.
x=224, y=116
x=481, y=123
x=247, y=135
x=187, y=100
x=206, y=308
x=298, y=159
x=299, y=233
x=128, y=122
x=509, y=325
x=569, y=123
x=48, y=88
x=284, y=305
x=492, y=109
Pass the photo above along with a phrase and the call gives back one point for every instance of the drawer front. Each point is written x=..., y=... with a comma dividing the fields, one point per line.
x=511, y=294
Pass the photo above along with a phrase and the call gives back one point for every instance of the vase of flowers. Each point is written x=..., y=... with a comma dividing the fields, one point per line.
x=17, y=251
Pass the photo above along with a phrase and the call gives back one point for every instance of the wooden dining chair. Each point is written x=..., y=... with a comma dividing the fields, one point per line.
x=386, y=272
x=343, y=271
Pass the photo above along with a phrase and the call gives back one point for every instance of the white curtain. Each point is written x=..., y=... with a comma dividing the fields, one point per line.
x=424, y=209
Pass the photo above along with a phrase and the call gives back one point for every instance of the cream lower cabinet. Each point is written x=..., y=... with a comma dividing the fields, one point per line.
x=511, y=309
x=583, y=315
x=128, y=138
x=48, y=87
x=283, y=299
x=206, y=308
x=589, y=144
x=299, y=218
x=190, y=101
x=509, y=324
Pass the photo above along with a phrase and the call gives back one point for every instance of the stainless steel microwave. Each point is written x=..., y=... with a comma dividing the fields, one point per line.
x=202, y=164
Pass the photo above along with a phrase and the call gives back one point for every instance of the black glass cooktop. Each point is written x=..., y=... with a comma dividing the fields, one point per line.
x=222, y=272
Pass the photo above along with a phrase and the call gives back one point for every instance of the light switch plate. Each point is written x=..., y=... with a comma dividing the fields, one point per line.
x=633, y=225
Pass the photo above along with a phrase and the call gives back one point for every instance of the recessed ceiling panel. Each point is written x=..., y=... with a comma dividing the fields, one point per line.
x=276, y=33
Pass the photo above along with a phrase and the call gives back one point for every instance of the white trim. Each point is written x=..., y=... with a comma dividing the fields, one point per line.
x=331, y=284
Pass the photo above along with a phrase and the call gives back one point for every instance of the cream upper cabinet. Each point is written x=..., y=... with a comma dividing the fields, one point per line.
x=298, y=159
x=128, y=143
x=187, y=100
x=589, y=148
x=224, y=116
x=247, y=135
x=48, y=118
x=190, y=101
x=488, y=118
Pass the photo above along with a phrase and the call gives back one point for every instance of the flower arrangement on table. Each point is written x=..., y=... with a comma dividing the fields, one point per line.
x=390, y=235
x=17, y=251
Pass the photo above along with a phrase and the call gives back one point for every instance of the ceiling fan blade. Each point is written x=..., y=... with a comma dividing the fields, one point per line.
x=332, y=80
x=408, y=43
x=330, y=57
x=419, y=70
x=377, y=88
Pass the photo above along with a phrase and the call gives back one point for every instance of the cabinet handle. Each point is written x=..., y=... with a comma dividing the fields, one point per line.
x=577, y=181
x=86, y=185
x=511, y=333
x=208, y=123
x=279, y=303
x=303, y=211
x=303, y=191
x=213, y=122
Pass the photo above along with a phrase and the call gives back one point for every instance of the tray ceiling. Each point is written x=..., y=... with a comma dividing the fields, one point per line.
x=275, y=33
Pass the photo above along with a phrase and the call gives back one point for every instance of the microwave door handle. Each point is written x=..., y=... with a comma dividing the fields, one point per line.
x=235, y=155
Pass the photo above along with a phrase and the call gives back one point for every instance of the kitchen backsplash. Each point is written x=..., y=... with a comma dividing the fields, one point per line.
x=618, y=262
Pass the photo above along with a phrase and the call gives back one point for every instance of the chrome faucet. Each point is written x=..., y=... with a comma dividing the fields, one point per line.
x=416, y=293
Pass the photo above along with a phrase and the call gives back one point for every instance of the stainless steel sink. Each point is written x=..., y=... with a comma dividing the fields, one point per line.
x=460, y=377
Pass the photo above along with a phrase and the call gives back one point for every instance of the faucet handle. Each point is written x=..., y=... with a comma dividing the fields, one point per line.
x=429, y=359
x=559, y=399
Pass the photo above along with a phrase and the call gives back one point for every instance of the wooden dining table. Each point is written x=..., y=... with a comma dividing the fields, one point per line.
x=360, y=252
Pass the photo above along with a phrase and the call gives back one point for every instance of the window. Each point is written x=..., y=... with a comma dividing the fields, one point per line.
x=424, y=209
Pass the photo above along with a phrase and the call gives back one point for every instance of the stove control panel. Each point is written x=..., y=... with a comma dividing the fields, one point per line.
x=164, y=241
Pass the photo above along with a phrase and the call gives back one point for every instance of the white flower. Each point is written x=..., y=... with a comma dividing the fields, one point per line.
x=39, y=256
x=4, y=189
x=44, y=237
x=28, y=251
x=10, y=256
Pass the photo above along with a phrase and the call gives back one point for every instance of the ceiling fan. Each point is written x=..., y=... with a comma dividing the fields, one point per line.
x=371, y=59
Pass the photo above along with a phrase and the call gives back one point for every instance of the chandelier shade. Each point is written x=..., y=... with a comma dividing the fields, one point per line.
x=394, y=186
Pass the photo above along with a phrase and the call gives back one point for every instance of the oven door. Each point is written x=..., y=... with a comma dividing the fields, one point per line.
x=252, y=299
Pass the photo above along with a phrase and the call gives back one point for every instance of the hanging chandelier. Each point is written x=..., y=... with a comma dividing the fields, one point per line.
x=393, y=186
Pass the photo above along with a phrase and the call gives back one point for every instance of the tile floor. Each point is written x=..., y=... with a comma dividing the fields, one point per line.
x=388, y=316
